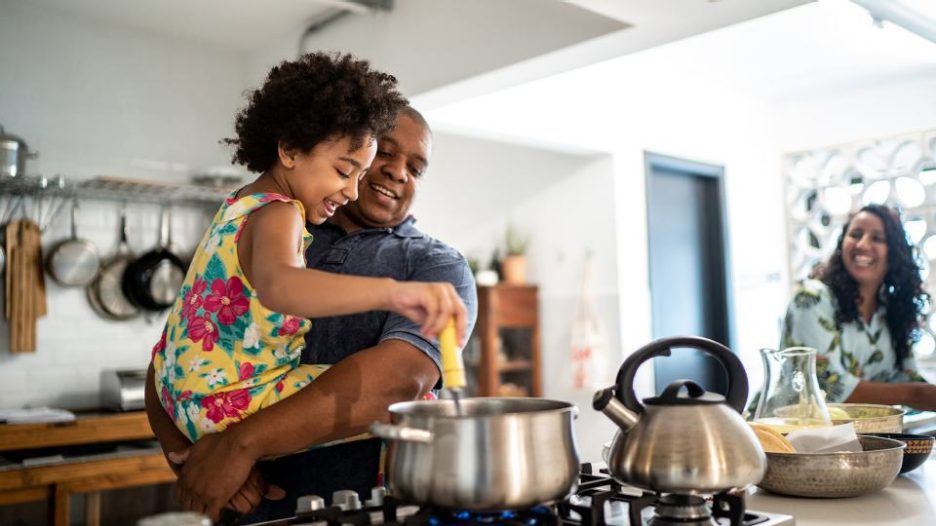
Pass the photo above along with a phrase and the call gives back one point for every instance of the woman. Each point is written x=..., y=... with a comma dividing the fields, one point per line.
x=863, y=314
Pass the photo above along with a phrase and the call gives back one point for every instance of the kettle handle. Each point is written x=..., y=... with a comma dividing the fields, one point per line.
x=737, y=377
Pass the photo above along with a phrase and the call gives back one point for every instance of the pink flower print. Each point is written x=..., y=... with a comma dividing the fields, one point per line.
x=185, y=395
x=266, y=198
x=202, y=329
x=226, y=404
x=227, y=299
x=290, y=326
x=279, y=386
x=160, y=345
x=246, y=371
x=193, y=298
x=167, y=402
x=230, y=200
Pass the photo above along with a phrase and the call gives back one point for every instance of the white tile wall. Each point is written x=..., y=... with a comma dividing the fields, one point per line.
x=94, y=99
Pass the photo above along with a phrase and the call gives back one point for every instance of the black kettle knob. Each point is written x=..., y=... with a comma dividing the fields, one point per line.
x=737, y=377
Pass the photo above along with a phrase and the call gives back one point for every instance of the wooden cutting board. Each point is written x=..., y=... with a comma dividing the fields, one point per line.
x=26, y=300
x=11, y=236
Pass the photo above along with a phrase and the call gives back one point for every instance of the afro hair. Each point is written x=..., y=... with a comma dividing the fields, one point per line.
x=309, y=100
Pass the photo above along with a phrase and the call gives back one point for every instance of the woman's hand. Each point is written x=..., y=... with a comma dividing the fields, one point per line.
x=432, y=305
x=216, y=471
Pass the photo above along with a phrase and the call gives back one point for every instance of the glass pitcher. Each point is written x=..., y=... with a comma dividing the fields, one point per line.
x=790, y=398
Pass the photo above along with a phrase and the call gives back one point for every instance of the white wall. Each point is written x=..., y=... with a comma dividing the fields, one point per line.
x=566, y=203
x=95, y=99
x=865, y=113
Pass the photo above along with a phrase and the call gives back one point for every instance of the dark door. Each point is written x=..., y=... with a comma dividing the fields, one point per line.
x=688, y=266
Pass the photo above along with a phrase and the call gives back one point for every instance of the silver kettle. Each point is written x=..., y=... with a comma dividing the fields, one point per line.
x=686, y=440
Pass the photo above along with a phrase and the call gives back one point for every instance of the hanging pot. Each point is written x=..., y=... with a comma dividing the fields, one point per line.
x=13, y=155
x=153, y=280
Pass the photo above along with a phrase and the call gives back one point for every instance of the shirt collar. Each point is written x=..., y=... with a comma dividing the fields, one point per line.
x=406, y=229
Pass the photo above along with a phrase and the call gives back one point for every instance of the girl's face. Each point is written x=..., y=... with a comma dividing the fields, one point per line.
x=864, y=249
x=327, y=176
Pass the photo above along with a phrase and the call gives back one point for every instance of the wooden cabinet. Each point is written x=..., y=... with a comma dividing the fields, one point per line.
x=503, y=356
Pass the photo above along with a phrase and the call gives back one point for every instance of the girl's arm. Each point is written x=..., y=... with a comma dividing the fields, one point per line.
x=271, y=257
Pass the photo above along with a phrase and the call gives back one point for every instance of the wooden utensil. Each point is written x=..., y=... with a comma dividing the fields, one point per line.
x=11, y=236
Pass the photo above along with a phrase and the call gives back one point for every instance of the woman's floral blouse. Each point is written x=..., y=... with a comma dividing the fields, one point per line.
x=848, y=354
x=223, y=355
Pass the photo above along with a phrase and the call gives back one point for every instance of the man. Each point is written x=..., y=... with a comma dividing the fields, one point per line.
x=379, y=358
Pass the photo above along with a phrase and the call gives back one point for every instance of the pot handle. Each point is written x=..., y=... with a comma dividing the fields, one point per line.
x=737, y=377
x=401, y=433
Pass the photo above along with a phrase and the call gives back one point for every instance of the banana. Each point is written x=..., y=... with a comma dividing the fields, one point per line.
x=771, y=440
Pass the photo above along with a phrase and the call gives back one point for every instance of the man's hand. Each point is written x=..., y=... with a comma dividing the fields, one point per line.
x=249, y=496
x=217, y=473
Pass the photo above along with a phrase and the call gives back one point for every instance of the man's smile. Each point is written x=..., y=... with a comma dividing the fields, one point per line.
x=383, y=190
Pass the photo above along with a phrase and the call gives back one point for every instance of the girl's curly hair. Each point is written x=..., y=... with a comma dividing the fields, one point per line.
x=309, y=100
x=901, y=293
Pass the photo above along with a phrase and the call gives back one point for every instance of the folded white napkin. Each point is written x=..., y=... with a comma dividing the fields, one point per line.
x=825, y=439
x=34, y=415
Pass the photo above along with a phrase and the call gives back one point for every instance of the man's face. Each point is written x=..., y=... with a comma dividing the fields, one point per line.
x=386, y=192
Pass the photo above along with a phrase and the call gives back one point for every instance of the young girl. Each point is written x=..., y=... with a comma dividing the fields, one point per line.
x=233, y=338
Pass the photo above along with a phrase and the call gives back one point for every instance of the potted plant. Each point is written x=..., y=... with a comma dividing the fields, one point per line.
x=513, y=266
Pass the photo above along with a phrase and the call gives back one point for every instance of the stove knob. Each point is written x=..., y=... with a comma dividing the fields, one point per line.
x=377, y=495
x=309, y=503
x=346, y=499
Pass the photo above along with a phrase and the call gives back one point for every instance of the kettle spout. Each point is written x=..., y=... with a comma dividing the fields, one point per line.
x=606, y=402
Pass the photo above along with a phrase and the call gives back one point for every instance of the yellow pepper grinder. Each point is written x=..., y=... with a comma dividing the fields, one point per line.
x=453, y=369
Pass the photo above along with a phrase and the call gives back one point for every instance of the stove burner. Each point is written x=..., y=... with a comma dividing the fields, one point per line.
x=539, y=515
x=599, y=501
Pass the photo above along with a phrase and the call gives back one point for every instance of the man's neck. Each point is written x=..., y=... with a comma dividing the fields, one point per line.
x=349, y=225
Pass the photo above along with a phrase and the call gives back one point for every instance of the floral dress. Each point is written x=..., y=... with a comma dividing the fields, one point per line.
x=848, y=354
x=223, y=355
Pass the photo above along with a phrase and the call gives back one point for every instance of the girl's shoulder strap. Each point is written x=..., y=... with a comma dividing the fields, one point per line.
x=238, y=207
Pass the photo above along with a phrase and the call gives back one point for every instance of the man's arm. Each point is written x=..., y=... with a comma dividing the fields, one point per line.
x=168, y=435
x=342, y=402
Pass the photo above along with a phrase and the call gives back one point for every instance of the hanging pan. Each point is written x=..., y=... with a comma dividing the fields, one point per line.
x=153, y=280
x=73, y=262
x=106, y=289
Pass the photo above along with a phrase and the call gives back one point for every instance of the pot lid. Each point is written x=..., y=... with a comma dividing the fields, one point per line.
x=693, y=394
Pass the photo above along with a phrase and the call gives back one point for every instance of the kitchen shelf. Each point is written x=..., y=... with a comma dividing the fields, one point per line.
x=48, y=194
x=505, y=348
x=515, y=366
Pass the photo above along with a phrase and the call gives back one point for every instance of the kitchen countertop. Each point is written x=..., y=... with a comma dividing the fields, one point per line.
x=908, y=501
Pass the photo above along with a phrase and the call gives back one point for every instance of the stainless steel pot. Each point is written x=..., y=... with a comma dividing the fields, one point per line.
x=13, y=155
x=498, y=454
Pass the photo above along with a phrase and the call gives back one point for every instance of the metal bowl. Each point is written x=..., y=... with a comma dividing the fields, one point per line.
x=871, y=418
x=835, y=475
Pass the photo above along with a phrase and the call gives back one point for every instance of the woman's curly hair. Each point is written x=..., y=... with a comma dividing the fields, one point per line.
x=306, y=101
x=901, y=293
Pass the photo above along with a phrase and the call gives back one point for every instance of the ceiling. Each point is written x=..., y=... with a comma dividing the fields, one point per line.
x=229, y=24
x=810, y=52
x=233, y=24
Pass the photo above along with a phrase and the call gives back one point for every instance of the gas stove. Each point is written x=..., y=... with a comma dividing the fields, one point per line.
x=598, y=501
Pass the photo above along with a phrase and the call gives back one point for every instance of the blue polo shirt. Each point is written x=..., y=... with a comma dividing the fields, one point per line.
x=402, y=253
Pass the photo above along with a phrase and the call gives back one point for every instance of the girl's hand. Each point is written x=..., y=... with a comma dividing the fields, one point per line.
x=431, y=305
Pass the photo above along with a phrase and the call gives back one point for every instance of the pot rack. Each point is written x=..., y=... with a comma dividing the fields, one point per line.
x=42, y=197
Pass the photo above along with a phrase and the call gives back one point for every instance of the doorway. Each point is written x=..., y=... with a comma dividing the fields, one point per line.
x=689, y=266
